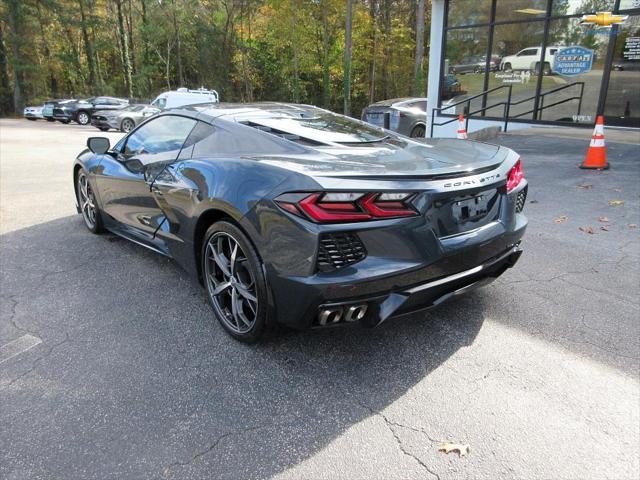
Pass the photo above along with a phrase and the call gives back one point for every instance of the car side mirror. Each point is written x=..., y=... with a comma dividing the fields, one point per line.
x=98, y=145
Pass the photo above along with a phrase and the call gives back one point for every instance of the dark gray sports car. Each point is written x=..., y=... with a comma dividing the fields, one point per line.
x=294, y=215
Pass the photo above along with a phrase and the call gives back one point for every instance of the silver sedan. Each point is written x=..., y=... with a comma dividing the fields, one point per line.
x=407, y=116
x=125, y=119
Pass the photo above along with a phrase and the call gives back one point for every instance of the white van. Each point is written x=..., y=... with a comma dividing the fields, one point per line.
x=184, y=96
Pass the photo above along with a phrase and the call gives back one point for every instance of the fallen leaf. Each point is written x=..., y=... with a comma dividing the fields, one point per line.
x=616, y=203
x=617, y=190
x=588, y=230
x=533, y=201
x=585, y=186
x=632, y=225
x=603, y=219
x=447, y=447
x=560, y=219
x=605, y=228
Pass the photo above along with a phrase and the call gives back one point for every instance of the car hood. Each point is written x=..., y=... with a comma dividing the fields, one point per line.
x=435, y=158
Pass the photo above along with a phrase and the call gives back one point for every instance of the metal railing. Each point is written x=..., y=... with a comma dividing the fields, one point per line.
x=467, y=109
x=542, y=106
x=506, y=112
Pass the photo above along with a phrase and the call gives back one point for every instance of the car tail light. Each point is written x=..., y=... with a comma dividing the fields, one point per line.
x=336, y=207
x=515, y=176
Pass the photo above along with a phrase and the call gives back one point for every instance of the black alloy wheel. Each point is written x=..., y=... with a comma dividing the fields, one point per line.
x=87, y=203
x=235, y=282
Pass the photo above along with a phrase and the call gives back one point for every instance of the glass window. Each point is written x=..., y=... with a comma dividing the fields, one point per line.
x=516, y=52
x=573, y=7
x=420, y=105
x=465, y=63
x=520, y=9
x=573, y=68
x=469, y=12
x=164, y=134
x=623, y=96
x=160, y=102
x=629, y=4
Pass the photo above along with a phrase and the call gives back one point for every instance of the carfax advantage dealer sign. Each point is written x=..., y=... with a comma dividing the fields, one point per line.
x=570, y=61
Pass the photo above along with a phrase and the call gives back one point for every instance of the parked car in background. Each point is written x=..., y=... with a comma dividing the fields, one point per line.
x=81, y=110
x=626, y=65
x=407, y=116
x=49, y=105
x=184, y=96
x=125, y=119
x=33, y=113
x=451, y=87
x=529, y=60
x=473, y=64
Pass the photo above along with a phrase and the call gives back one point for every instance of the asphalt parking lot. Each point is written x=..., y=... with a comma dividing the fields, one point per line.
x=538, y=373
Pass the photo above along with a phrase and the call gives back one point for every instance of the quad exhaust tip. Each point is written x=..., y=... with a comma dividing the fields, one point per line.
x=333, y=315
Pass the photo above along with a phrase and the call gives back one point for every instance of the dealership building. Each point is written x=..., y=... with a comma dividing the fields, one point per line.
x=517, y=63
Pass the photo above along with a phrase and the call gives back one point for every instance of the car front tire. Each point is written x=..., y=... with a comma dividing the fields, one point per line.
x=87, y=203
x=235, y=282
x=83, y=118
x=127, y=125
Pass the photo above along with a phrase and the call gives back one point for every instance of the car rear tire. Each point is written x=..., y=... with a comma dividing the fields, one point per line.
x=127, y=125
x=83, y=118
x=507, y=67
x=235, y=282
x=87, y=202
x=417, y=132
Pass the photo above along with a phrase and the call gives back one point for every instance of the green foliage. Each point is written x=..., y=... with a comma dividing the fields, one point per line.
x=248, y=50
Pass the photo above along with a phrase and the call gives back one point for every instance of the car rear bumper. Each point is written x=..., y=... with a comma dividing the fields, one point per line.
x=425, y=295
x=389, y=287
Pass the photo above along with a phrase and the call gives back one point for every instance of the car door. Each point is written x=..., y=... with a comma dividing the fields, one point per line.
x=125, y=183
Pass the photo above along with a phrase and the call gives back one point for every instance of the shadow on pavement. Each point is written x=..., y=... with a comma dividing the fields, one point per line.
x=135, y=378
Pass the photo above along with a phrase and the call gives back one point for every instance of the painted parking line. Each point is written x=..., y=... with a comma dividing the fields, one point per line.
x=18, y=346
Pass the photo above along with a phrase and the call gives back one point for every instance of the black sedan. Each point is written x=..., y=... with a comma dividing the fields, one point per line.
x=81, y=110
x=293, y=215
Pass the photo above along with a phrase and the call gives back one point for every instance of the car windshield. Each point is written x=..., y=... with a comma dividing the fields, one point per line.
x=133, y=108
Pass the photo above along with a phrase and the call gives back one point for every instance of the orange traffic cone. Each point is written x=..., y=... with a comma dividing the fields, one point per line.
x=462, y=132
x=596, y=158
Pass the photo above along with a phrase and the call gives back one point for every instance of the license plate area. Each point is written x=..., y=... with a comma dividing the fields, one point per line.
x=459, y=214
x=470, y=209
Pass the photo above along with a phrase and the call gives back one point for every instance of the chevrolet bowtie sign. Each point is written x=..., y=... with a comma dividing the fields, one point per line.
x=603, y=19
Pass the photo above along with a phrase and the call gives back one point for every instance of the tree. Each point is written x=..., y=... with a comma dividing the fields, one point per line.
x=15, y=17
x=418, y=77
x=124, y=46
x=88, y=48
x=347, y=58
